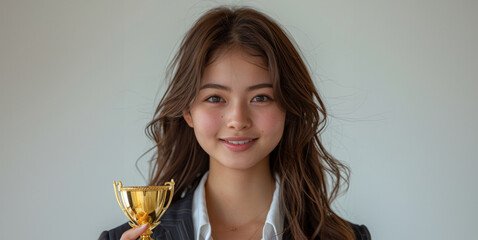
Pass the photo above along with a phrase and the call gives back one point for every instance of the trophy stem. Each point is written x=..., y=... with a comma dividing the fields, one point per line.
x=146, y=237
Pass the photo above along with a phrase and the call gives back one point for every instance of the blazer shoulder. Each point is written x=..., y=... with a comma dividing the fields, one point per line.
x=180, y=209
x=361, y=232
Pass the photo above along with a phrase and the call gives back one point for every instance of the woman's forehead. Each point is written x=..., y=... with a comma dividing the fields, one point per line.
x=250, y=55
x=236, y=67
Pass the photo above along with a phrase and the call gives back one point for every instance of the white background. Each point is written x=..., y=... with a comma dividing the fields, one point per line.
x=80, y=80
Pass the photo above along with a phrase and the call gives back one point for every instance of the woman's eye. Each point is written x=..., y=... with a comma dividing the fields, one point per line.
x=214, y=99
x=261, y=98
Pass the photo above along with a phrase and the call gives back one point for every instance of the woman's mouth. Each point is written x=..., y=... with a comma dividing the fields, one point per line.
x=238, y=144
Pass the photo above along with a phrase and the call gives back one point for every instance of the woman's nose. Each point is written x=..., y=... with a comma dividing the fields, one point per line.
x=238, y=116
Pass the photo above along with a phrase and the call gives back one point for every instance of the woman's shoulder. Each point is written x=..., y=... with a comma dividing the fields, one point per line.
x=361, y=232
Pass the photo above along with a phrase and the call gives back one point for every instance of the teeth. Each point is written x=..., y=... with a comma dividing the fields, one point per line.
x=239, y=142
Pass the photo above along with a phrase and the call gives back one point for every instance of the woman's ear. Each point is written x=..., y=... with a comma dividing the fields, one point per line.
x=188, y=118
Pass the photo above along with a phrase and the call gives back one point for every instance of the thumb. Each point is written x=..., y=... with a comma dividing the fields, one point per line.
x=134, y=233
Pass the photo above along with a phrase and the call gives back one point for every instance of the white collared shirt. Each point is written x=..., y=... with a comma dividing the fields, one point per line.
x=202, y=228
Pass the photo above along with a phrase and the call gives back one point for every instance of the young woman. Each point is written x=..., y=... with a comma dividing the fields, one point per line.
x=238, y=130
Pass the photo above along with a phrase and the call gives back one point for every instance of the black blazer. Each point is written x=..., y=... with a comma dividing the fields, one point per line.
x=177, y=223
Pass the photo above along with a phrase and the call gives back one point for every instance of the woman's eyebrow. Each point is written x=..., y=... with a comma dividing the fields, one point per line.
x=222, y=87
x=259, y=86
x=215, y=86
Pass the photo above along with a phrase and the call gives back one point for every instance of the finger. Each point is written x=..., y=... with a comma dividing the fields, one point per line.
x=134, y=233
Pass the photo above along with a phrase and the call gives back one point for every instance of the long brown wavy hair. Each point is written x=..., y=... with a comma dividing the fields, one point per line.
x=310, y=177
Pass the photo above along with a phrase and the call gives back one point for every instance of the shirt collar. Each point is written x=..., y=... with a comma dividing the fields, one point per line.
x=275, y=217
x=202, y=228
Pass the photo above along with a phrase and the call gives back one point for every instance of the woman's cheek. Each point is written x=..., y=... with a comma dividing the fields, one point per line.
x=209, y=122
x=272, y=121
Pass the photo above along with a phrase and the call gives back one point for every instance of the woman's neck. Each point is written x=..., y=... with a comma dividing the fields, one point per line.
x=236, y=197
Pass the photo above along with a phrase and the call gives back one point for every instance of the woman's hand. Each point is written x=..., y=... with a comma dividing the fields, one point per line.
x=134, y=233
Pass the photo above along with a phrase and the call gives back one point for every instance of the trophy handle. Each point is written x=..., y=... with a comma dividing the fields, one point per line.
x=171, y=192
x=120, y=185
x=171, y=189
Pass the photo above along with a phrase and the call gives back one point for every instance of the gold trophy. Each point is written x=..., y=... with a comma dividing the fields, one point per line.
x=144, y=205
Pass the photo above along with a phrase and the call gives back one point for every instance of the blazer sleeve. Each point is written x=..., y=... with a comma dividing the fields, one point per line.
x=115, y=233
x=361, y=232
x=104, y=236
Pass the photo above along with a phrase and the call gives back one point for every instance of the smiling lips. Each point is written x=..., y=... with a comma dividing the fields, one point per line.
x=238, y=144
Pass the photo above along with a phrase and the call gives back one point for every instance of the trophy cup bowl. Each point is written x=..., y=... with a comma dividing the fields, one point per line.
x=144, y=205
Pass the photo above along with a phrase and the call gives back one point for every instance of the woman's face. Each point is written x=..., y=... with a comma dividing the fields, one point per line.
x=235, y=117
